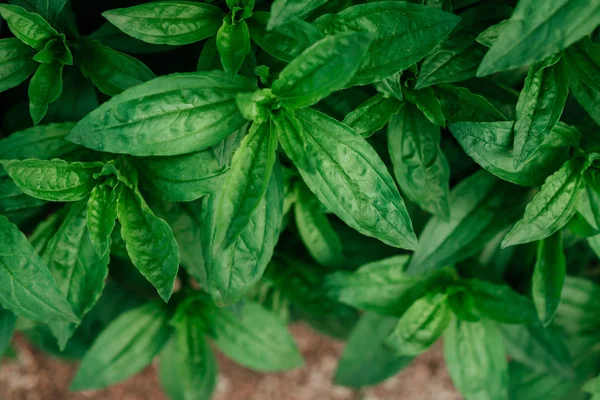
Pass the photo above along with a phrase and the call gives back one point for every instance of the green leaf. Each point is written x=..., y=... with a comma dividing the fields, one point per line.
x=41, y=142
x=474, y=355
x=346, y=175
x=459, y=104
x=56, y=50
x=383, y=286
x=587, y=96
x=233, y=270
x=168, y=22
x=490, y=145
x=111, y=36
x=169, y=115
x=366, y=359
x=54, y=180
x=185, y=220
x=77, y=99
x=282, y=11
x=284, y=43
x=289, y=192
x=24, y=215
x=391, y=86
x=16, y=63
x=293, y=282
x=245, y=185
x=593, y=387
x=420, y=167
x=28, y=288
x=11, y=352
x=168, y=370
x=240, y=9
x=491, y=34
x=461, y=303
x=256, y=338
x=150, y=242
x=317, y=234
x=256, y=106
x=536, y=31
x=592, y=179
x=49, y=9
x=209, y=59
x=540, y=106
x=456, y=59
x=594, y=243
x=579, y=226
x=11, y=196
x=372, y=115
x=44, y=88
x=404, y=33
x=539, y=348
x=552, y=206
x=225, y=149
x=233, y=43
x=181, y=178
x=13, y=200
x=262, y=72
x=481, y=207
x=7, y=327
x=421, y=325
x=548, y=277
x=426, y=101
x=576, y=311
x=589, y=208
x=501, y=303
x=195, y=365
x=30, y=28
x=78, y=271
x=117, y=172
x=528, y=384
x=45, y=230
x=111, y=71
x=124, y=348
x=323, y=68
x=101, y=216
x=583, y=60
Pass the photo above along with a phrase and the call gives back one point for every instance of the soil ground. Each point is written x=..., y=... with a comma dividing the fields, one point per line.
x=35, y=376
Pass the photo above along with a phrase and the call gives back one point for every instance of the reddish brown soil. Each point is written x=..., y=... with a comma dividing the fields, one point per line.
x=35, y=376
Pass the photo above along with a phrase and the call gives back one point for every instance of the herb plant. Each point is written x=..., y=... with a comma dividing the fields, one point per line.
x=180, y=176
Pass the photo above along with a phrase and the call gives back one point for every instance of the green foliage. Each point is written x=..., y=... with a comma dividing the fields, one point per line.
x=476, y=359
x=389, y=172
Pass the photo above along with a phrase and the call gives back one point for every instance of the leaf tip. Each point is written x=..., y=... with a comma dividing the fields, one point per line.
x=516, y=161
x=101, y=251
x=79, y=382
x=73, y=136
x=62, y=344
x=165, y=295
x=484, y=69
x=411, y=243
x=271, y=24
x=71, y=317
x=506, y=242
x=547, y=322
x=108, y=13
x=421, y=83
x=299, y=362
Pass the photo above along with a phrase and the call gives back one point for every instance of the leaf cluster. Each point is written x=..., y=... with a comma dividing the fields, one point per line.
x=180, y=176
